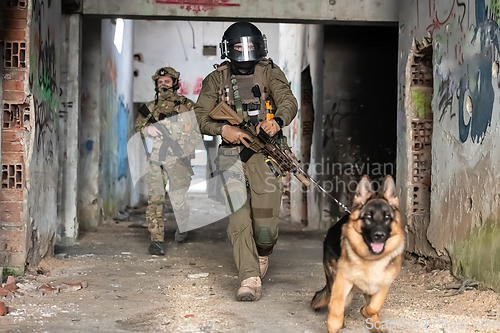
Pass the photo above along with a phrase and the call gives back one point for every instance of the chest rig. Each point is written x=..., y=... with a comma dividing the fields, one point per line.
x=168, y=111
x=256, y=101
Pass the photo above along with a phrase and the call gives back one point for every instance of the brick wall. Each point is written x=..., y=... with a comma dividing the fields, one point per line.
x=15, y=119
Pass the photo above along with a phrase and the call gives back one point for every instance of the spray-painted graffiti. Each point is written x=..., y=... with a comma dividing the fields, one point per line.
x=463, y=58
x=197, y=86
x=122, y=117
x=183, y=89
x=199, y=5
x=110, y=74
x=436, y=22
x=47, y=72
x=45, y=120
x=495, y=11
x=43, y=75
x=445, y=100
x=340, y=110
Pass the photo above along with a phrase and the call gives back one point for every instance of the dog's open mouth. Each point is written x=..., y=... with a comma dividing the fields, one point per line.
x=377, y=247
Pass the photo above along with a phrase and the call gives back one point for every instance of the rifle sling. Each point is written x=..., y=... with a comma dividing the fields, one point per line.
x=237, y=98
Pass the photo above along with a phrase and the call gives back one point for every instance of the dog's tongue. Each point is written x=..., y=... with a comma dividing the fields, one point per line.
x=377, y=247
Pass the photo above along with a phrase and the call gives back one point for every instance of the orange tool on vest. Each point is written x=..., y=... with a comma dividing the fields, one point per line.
x=269, y=114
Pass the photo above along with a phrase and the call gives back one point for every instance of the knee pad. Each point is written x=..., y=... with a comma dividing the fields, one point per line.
x=264, y=238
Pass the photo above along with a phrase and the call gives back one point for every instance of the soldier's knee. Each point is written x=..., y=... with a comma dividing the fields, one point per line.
x=265, y=237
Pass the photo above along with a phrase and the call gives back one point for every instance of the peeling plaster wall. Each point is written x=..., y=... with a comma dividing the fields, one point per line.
x=116, y=117
x=41, y=154
x=465, y=190
x=179, y=44
x=302, y=46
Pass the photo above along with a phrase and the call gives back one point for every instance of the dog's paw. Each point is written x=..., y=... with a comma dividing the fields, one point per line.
x=363, y=312
x=335, y=325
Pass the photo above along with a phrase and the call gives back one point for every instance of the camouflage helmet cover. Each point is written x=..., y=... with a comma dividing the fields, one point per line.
x=166, y=71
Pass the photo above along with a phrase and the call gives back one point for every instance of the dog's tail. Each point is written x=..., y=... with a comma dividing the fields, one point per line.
x=321, y=298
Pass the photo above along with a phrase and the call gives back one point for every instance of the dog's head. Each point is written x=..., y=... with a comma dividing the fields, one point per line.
x=374, y=228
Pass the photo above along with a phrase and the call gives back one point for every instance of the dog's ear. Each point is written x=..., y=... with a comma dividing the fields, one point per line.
x=389, y=191
x=363, y=191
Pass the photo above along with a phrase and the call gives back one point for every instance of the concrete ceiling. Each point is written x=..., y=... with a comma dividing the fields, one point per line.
x=298, y=11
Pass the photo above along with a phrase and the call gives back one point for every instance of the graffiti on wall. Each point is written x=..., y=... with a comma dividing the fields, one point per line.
x=43, y=76
x=197, y=86
x=183, y=88
x=197, y=6
x=122, y=119
x=116, y=123
x=44, y=126
x=466, y=39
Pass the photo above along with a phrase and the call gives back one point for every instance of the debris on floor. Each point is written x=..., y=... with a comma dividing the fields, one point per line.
x=193, y=287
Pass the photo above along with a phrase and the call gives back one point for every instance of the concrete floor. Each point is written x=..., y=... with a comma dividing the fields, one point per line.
x=131, y=291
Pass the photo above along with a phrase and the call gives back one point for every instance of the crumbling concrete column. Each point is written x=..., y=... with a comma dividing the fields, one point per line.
x=89, y=211
x=69, y=126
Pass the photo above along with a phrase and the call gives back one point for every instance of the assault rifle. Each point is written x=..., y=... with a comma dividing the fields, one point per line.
x=167, y=141
x=263, y=142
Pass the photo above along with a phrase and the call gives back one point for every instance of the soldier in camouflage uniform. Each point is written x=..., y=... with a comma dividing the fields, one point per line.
x=266, y=100
x=170, y=109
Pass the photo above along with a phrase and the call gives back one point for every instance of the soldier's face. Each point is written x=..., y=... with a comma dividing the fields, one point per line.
x=165, y=82
x=239, y=47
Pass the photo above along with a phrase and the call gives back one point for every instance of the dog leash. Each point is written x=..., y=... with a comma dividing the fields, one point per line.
x=331, y=196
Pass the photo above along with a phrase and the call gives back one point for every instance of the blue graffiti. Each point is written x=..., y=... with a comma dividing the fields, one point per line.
x=121, y=136
x=89, y=145
x=487, y=34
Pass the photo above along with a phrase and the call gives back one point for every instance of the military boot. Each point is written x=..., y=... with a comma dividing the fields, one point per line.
x=156, y=248
x=250, y=289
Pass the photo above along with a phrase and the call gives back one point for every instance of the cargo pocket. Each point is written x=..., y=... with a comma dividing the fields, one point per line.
x=261, y=178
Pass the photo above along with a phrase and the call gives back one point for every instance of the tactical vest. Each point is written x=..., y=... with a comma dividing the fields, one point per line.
x=170, y=110
x=258, y=104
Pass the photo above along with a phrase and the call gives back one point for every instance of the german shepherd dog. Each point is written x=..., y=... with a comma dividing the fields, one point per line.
x=362, y=253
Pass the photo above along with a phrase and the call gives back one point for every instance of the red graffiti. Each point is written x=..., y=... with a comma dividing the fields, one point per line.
x=435, y=20
x=182, y=89
x=199, y=5
x=197, y=86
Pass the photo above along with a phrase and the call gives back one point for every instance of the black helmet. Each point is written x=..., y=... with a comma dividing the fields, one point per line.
x=253, y=45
